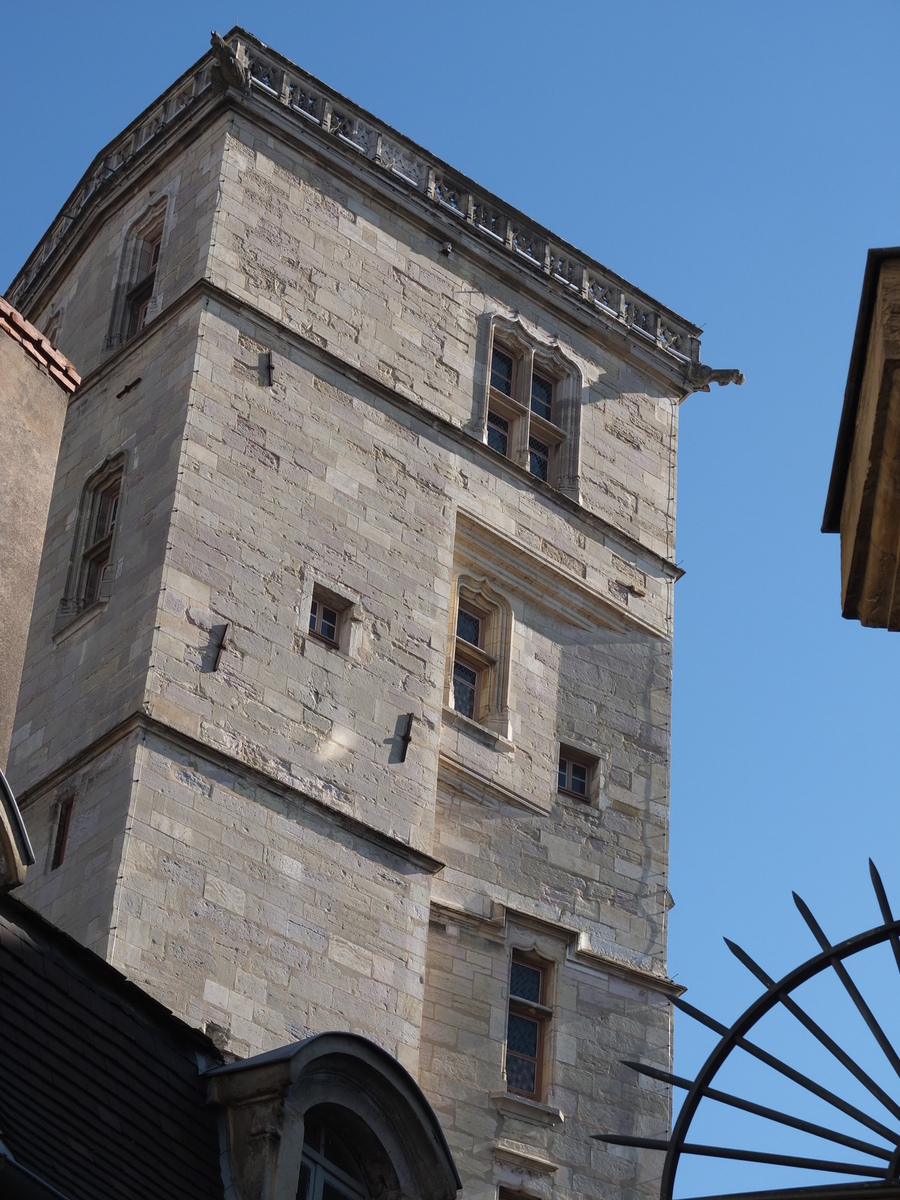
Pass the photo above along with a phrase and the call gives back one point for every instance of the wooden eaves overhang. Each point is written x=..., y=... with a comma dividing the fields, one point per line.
x=863, y=503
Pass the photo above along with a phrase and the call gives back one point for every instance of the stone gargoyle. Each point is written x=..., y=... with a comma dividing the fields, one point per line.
x=699, y=377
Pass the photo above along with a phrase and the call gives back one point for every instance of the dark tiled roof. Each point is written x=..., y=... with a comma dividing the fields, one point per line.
x=100, y=1092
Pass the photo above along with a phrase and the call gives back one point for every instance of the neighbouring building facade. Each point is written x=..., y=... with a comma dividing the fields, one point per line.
x=863, y=503
x=346, y=698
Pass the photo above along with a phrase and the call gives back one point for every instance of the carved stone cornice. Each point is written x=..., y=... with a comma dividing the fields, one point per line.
x=255, y=73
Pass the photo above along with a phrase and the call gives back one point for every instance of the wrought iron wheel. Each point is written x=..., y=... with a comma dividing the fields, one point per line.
x=873, y=1165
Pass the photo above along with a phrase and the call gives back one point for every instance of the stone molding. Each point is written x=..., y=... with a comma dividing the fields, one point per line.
x=143, y=723
x=204, y=290
x=529, y=1110
x=265, y=1099
x=579, y=943
x=359, y=136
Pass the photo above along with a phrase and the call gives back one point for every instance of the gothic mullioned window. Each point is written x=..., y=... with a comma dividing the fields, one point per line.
x=136, y=290
x=478, y=671
x=532, y=409
x=91, y=569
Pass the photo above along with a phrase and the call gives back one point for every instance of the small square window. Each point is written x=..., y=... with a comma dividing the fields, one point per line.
x=324, y=621
x=575, y=773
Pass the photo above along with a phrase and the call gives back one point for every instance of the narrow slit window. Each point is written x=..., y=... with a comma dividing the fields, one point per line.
x=63, y=822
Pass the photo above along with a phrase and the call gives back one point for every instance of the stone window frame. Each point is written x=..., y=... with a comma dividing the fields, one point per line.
x=326, y=618
x=575, y=756
x=539, y=1013
x=534, y=355
x=317, y=589
x=93, y=564
x=137, y=297
x=490, y=660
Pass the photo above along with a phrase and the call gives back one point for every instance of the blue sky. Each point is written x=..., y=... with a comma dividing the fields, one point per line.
x=734, y=160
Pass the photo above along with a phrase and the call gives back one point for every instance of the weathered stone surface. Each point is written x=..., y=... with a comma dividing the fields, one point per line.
x=252, y=838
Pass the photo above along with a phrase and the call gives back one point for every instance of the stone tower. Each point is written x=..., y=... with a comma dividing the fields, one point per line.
x=346, y=697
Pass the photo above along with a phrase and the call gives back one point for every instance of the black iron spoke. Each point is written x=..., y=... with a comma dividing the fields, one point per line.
x=849, y=986
x=884, y=905
x=782, y=1160
x=757, y=1156
x=816, y=1030
x=795, y=1076
x=763, y=1110
x=627, y=1139
x=821, y=1191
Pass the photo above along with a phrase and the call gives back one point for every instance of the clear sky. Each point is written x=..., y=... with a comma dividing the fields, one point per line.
x=734, y=160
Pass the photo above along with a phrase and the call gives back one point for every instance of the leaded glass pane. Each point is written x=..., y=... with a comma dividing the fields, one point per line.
x=521, y=1075
x=468, y=627
x=522, y=1035
x=525, y=982
x=538, y=458
x=502, y=372
x=498, y=434
x=542, y=396
x=328, y=626
x=465, y=685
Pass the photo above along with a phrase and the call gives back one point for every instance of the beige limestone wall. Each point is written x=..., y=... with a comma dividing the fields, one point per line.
x=541, y=1149
x=81, y=305
x=86, y=673
x=325, y=256
x=32, y=411
x=270, y=845
x=80, y=894
x=250, y=909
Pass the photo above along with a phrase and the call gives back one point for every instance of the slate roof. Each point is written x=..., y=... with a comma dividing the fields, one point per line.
x=100, y=1087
